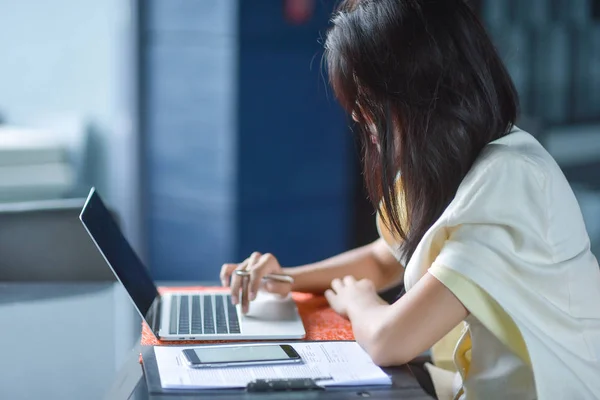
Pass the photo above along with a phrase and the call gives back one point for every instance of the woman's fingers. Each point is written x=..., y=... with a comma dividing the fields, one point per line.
x=329, y=295
x=337, y=285
x=267, y=263
x=334, y=302
x=255, y=267
x=246, y=281
x=349, y=280
x=225, y=275
x=237, y=281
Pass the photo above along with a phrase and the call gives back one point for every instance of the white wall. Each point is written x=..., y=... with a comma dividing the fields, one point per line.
x=59, y=56
x=73, y=58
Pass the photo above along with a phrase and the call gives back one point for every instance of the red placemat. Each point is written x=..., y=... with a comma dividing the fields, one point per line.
x=320, y=321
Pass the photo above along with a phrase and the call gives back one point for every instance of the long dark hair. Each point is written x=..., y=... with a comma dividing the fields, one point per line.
x=428, y=91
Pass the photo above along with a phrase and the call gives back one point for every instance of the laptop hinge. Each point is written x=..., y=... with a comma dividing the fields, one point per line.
x=154, y=316
x=158, y=316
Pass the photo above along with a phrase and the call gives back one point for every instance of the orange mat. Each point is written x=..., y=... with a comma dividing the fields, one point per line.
x=320, y=321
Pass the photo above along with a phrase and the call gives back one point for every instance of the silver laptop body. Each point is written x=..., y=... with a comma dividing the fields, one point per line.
x=186, y=315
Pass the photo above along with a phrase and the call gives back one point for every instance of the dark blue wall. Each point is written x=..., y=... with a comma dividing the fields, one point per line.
x=294, y=185
x=245, y=147
x=189, y=58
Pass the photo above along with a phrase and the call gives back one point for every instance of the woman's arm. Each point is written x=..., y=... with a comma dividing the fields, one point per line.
x=374, y=261
x=395, y=334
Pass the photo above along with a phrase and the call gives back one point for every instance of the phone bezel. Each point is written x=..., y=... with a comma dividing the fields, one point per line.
x=195, y=362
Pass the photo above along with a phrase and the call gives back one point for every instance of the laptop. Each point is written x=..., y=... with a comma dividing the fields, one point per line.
x=186, y=315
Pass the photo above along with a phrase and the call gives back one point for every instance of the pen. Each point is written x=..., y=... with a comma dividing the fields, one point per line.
x=245, y=275
x=272, y=277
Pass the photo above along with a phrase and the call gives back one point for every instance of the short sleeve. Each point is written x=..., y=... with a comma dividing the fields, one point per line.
x=509, y=191
x=497, y=235
x=483, y=307
x=498, y=238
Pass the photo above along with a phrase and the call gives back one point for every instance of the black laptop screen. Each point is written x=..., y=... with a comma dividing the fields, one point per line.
x=120, y=256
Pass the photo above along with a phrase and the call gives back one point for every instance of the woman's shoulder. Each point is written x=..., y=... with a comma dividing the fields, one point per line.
x=516, y=183
x=517, y=156
x=506, y=172
x=514, y=168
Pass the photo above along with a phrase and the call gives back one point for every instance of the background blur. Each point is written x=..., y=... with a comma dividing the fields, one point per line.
x=209, y=129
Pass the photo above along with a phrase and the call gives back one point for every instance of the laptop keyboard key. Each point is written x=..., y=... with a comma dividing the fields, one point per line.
x=220, y=313
x=173, y=317
x=234, y=323
x=210, y=314
x=196, y=316
x=209, y=326
x=184, y=315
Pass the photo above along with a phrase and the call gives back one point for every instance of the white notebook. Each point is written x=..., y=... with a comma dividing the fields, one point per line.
x=332, y=363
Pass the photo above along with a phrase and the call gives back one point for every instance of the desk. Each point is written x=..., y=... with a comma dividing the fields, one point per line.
x=63, y=340
x=131, y=379
x=131, y=382
x=80, y=334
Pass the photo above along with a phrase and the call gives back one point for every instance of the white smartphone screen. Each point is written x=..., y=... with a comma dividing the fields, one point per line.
x=240, y=354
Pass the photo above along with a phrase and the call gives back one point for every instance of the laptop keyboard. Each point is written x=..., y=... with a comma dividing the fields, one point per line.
x=203, y=314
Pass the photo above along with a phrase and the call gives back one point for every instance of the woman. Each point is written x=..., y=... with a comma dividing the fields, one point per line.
x=474, y=215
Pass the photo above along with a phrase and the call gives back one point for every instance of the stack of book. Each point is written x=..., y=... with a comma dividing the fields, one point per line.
x=34, y=165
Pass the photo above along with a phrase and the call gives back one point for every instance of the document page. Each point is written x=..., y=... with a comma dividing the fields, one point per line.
x=330, y=363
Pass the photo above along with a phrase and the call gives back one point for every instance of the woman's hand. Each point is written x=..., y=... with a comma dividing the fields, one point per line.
x=349, y=291
x=397, y=333
x=258, y=265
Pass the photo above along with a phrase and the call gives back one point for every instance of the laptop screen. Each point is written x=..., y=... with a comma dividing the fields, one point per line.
x=117, y=251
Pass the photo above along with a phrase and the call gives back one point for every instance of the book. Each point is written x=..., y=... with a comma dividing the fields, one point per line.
x=20, y=146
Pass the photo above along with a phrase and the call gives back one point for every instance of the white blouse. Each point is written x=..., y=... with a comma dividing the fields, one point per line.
x=514, y=231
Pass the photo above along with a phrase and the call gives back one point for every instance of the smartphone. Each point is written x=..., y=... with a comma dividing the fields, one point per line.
x=233, y=356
